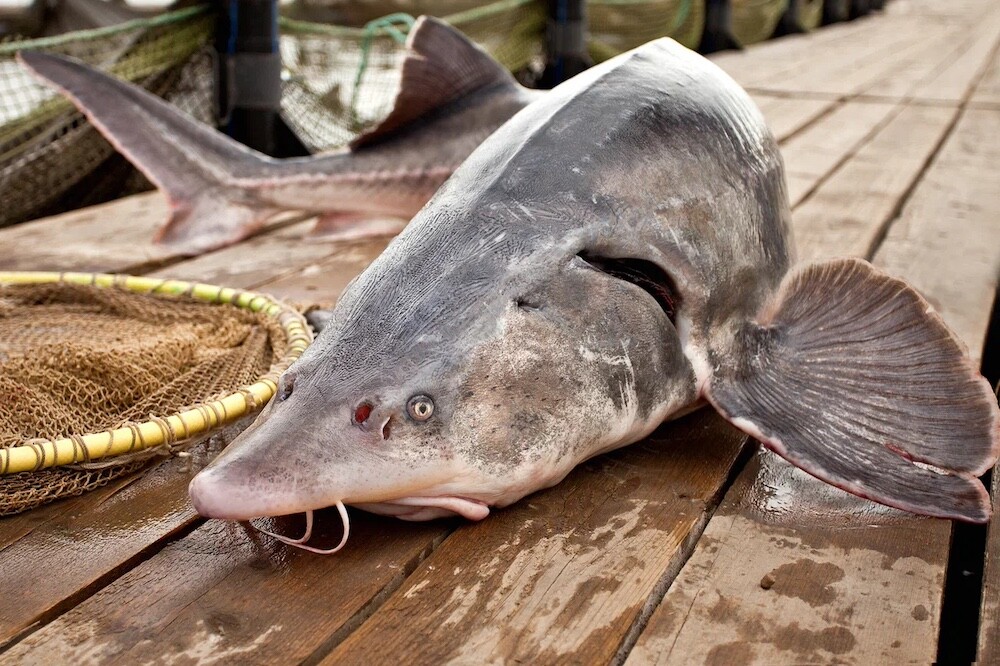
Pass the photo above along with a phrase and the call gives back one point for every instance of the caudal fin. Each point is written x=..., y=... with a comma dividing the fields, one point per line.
x=852, y=377
x=196, y=166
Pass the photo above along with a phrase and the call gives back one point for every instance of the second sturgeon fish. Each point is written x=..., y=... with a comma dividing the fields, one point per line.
x=452, y=96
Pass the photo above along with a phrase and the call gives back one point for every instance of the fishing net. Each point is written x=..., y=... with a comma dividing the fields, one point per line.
x=51, y=159
x=341, y=76
x=344, y=79
x=619, y=25
x=76, y=359
x=755, y=20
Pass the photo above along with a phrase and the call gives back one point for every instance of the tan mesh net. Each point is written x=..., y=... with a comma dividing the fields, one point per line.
x=77, y=359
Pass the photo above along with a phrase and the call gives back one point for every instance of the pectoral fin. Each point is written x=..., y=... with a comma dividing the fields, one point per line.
x=852, y=377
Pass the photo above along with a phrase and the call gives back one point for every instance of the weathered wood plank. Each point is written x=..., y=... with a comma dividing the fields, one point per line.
x=816, y=151
x=783, y=57
x=787, y=115
x=226, y=593
x=848, y=213
x=563, y=574
x=835, y=577
x=791, y=571
x=115, y=237
x=989, y=616
x=848, y=67
x=987, y=92
x=954, y=82
x=111, y=237
x=900, y=51
x=49, y=567
x=946, y=240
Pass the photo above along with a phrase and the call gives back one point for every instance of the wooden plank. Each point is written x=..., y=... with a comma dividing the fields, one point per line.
x=226, y=593
x=112, y=237
x=781, y=57
x=787, y=115
x=564, y=574
x=954, y=214
x=989, y=616
x=115, y=237
x=987, y=92
x=847, y=67
x=80, y=549
x=833, y=577
x=816, y=151
x=902, y=51
x=954, y=82
x=792, y=571
x=848, y=213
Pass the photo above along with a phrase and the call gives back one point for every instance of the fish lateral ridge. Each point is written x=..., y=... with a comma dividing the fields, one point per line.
x=850, y=375
x=196, y=166
x=441, y=67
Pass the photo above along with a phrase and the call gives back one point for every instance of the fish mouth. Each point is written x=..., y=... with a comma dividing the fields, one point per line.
x=427, y=508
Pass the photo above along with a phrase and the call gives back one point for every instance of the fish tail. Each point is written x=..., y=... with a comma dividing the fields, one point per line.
x=850, y=375
x=197, y=167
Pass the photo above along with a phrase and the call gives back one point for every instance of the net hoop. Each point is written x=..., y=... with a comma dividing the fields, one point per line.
x=195, y=421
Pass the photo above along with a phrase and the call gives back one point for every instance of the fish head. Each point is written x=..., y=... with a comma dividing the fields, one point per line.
x=474, y=399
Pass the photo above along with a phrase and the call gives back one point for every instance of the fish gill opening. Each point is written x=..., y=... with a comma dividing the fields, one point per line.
x=644, y=274
x=961, y=603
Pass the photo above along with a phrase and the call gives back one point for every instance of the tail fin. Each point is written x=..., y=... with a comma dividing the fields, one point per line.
x=193, y=164
x=851, y=376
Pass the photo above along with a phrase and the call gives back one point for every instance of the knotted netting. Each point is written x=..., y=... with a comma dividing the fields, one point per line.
x=340, y=78
x=98, y=376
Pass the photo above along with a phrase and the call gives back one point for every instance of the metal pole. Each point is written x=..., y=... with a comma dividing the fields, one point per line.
x=249, y=72
x=566, y=41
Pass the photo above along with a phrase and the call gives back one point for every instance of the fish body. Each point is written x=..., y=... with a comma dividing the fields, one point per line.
x=452, y=96
x=615, y=255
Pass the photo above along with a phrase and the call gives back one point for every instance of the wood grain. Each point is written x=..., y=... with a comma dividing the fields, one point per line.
x=787, y=115
x=946, y=240
x=791, y=570
x=989, y=616
x=116, y=237
x=848, y=213
x=226, y=593
x=818, y=150
x=563, y=575
x=111, y=237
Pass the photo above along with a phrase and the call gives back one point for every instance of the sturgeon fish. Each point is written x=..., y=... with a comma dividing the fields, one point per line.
x=452, y=96
x=615, y=255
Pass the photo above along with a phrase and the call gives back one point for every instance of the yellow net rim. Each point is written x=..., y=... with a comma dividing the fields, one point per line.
x=181, y=426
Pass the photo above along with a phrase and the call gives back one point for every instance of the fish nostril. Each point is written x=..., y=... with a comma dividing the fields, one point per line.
x=362, y=412
x=286, y=384
x=387, y=428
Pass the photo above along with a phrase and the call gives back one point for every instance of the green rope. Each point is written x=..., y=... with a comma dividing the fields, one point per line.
x=389, y=25
x=11, y=48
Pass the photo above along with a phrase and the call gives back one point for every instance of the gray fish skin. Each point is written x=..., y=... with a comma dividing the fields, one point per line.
x=452, y=96
x=502, y=304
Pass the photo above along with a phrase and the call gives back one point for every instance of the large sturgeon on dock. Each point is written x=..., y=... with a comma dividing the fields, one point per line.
x=452, y=96
x=615, y=255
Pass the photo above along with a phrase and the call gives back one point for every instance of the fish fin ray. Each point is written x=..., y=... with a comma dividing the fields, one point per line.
x=442, y=65
x=851, y=376
x=188, y=160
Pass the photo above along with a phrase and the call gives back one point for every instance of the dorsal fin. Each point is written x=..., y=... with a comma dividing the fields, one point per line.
x=441, y=66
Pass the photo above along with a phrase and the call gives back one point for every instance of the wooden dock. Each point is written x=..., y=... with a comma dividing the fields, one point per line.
x=690, y=547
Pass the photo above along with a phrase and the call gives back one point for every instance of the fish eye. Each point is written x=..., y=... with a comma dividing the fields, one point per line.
x=420, y=407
